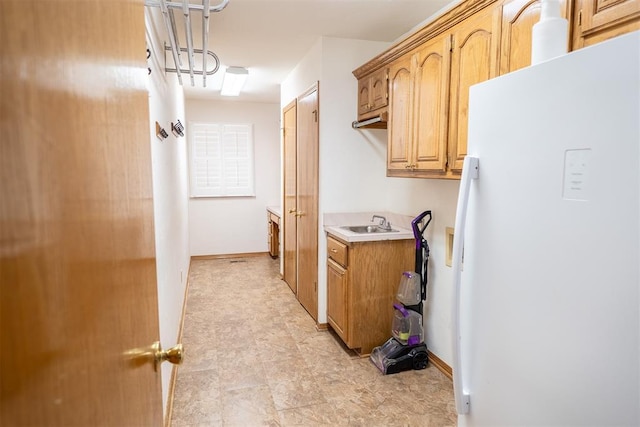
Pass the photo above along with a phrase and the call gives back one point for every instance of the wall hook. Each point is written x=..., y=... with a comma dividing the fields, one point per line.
x=177, y=129
x=160, y=132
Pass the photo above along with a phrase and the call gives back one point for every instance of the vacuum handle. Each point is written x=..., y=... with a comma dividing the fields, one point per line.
x=417, y=233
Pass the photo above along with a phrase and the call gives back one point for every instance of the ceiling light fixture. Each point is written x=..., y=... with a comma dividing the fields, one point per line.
x=233, y=81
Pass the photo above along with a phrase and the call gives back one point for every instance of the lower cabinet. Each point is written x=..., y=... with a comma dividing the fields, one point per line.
x=362, y=282
x=337, y=287
x=274, y=234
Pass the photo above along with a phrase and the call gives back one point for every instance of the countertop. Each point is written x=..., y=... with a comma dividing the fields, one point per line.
x=333, y=223
x=275, y=210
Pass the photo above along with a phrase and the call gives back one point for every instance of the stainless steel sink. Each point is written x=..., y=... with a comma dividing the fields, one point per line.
x=365, y=229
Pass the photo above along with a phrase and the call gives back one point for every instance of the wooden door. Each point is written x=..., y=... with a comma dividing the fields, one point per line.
x=431, y=106
x=518, y=19
x=364, y=97
x=77, y=257
x=400, y=108
x=474, y=60
x=379, y=89
x=600, y=20
x=337, y=299
x=289, y=218
x=307, y=200
x=597, y=14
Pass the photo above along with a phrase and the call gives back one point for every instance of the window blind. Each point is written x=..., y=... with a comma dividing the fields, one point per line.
x=221, y=160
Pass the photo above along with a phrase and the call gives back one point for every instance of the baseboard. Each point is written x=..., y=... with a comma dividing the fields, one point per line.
x=321, y=327
x=174, y=369
x=227, y=256
x=441, y=365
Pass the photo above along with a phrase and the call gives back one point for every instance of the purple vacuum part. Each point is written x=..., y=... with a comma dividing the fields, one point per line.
x=416, y=229
x=413, y=340
x=401, y=309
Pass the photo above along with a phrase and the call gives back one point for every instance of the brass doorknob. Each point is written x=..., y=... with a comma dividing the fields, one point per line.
x=173, y=355
x=292, y=210
x=300, y=213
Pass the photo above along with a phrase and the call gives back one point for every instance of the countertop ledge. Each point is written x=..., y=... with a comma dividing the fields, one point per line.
x=333, y=223
x=351, y=237
x=275, y=210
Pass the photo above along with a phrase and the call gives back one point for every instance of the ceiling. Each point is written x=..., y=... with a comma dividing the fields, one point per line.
x=270, y=37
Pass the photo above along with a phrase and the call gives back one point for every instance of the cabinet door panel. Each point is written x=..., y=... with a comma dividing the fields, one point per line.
x=518, y=19
x=474, y=60
x=337, y=295
x=601, y=13
x=431, y=105
x=399, y=127
x=363, y=96
x=379, y=89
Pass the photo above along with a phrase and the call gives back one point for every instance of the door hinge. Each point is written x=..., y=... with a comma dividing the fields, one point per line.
x=580, y=18
x=452, y=42
x=315, y=115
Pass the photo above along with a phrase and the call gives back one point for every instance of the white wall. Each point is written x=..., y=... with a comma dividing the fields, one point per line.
x=169, y=169
x=353, y=173
x=239, y=224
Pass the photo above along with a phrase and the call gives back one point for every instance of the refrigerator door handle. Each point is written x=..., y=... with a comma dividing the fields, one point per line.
x=469, y=172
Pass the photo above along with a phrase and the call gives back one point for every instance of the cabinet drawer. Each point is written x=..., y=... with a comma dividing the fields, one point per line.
x=337, y=251
x=274, y=218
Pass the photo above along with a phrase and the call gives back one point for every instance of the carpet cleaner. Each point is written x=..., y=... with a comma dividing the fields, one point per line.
x=406, y=349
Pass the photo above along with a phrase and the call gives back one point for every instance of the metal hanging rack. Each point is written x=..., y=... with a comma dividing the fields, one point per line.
x=167, y=8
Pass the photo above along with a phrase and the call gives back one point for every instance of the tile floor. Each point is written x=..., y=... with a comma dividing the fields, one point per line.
x=253, y=357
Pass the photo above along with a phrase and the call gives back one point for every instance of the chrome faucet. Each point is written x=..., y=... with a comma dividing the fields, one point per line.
x=383, y=222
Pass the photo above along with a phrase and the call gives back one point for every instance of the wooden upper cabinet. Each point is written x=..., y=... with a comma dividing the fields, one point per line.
x=598, y=20
x=431, y=96
x=418, y=91
x=474, y=60
x=372, y=94
x=379, y=89
x=400, y=119
x=363, y=96
x=518, y=19
x=599, y=13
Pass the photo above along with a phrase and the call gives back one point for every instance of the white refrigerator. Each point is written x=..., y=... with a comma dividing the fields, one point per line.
x=547, y=245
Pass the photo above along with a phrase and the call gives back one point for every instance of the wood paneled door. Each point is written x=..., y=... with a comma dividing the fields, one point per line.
x=475, y=51
x=307, y=199
x=78, y=304
x=518, y=19
x=289, y=218
x=400, y=112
